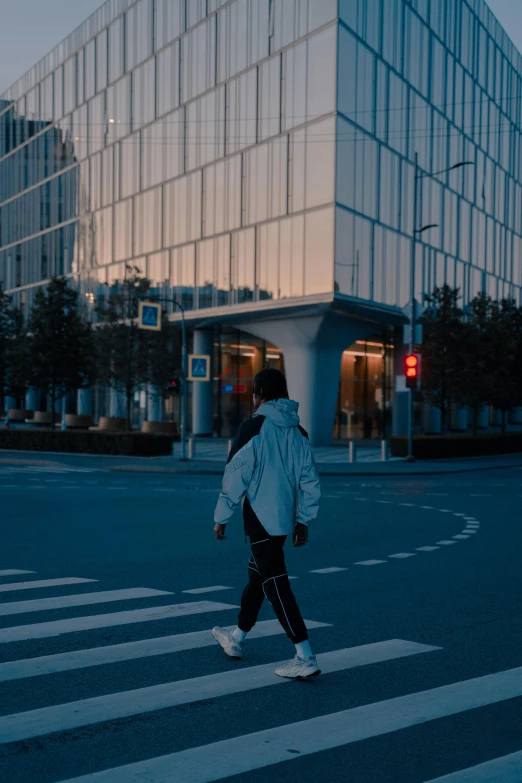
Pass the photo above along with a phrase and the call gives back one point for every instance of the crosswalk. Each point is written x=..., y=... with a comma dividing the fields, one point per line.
x=319, y=732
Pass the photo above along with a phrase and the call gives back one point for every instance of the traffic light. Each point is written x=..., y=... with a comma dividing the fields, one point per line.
x=412, y=370
x=174, y=386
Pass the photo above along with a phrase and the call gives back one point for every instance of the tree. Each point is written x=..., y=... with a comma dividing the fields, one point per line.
x=6, y=324
x=17, y=358
x=443, y=350
x=505, y=375
x=478, y=356
x=60, y=342
x=121, y=347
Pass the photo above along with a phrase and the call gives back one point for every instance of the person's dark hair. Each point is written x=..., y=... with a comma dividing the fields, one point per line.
x=270, y=385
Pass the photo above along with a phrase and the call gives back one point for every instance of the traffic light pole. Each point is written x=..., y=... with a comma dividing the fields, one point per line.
x=411, y=407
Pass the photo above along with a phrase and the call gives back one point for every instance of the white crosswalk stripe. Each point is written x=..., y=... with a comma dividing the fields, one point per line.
x=19, y=633
x=157, y=697
x=39, y=583
x=243, y=752
x=207, y=763
x=14, y=572
x=81, y=599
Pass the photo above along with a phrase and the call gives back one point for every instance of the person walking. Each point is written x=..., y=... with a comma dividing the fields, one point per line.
x=272, y=470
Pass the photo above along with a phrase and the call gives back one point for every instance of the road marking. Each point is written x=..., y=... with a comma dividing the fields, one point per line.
x=21, y=633
x=446, y=543
x=426, y=548
x=459, y=536
x=402, y=555
x=506, y=768
x=14, y=572
x=430, y=508
x=370, y=562
x=470, y=530
x=363, y=499
x=239, y=755
x=128, y=651
x=80, y=599
x=481, y=496
x=445, y=511
x=330, y=570
x=198, y=590
x=41, y=583
x=87, y=712
x=387, y=502
x=332, y=497
x=406, y=504
x=437, y=494
x=459, y=515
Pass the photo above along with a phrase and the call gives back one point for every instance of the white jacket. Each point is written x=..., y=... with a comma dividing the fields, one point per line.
x=271, y=463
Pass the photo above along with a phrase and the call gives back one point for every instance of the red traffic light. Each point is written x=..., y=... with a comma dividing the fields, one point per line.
x=412, y=370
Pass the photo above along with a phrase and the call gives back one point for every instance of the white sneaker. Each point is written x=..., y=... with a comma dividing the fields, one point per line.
x=298, y=669
x=232, y=648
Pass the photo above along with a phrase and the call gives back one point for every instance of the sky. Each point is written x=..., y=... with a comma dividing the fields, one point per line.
x=31, y=28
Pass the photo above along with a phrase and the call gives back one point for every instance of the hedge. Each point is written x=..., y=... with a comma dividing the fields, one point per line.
x=446, y=447
x=130, y=444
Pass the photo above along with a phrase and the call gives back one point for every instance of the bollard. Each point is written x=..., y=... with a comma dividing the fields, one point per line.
x=384, y=451
x=192, y=447
x=352, y=452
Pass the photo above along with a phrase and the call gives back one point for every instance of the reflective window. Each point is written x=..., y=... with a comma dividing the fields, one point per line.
x=103, y=237
x=268, y=261
x=269, y=81
x=222, y=196
x=183, y=275
x=294, y=102
x=167, y=68
x=119, y=109
x=147, y=221
x=98, y=123
x=319, y=251
x=80, y=132
x=196, y=12
x=291, y=257
x=321, y=13
x=123, y=230
x=90, y=69
x=241, y=113
x=101, y=60
x=158, y=272
x=80, y=77
x=266, y=180
x=144, y=94
x=58, y=93
x=320, y=163
x=69, y=85
x=47, y=99
x=182, y=210
x=130, y=165
x=199, y=59
x=243, y=265
x=116, y=50
x=205, y=124
x=109, y=191
x=322, y=68
x=138, y=33
x=169, y=21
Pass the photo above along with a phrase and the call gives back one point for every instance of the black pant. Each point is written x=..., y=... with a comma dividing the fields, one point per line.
x=267, y=576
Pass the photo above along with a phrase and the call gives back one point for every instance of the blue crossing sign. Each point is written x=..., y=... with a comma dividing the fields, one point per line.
x=149, y=316
x=199, y=367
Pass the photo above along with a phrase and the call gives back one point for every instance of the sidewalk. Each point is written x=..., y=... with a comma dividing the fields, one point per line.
x=214, y=465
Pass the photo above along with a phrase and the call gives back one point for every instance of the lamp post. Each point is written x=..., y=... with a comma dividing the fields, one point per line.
x=418, y=175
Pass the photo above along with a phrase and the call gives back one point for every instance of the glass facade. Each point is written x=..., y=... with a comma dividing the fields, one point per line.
x=242, y=152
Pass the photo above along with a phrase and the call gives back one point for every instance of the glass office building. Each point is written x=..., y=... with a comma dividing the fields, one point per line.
x=254, y=159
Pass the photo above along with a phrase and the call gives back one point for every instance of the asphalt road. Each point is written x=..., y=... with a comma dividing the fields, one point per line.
x=432, y=563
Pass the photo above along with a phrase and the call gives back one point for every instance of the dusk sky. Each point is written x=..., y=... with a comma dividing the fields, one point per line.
x=31, y=28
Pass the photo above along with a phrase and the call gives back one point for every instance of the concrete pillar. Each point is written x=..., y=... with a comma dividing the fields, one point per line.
x=85, y=402
x=154, y=404
x=202, y=392
x=459, y=418
x=9, y=403
x=432, y=420
x=401, y=395
x=32, y=399
x=483, y=418
x=117, y=404
x=515, y=416
x=312, y=348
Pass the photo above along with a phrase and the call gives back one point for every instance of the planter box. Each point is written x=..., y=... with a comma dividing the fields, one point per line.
x=160, y=427
x=131, y=444
x=78, y=422
x=452, y=446
x=111, y=424
x=20, y=416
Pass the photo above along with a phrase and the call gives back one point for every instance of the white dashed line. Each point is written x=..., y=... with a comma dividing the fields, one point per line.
x=331, y=570
x=426, y=548
x=446, y=543
x=428, y=508
x=370, y=562
x=481, y=496
x=199, y=590
x=402, y=555
x=460, y=535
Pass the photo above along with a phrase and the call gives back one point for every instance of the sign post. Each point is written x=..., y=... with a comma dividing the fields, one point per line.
x=199, y=367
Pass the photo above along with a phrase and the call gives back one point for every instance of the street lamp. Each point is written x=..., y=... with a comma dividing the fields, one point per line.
x=413, y=317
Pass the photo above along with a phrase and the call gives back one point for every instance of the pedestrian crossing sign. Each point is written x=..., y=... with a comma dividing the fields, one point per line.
x=199, y=368
x=149, y=316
